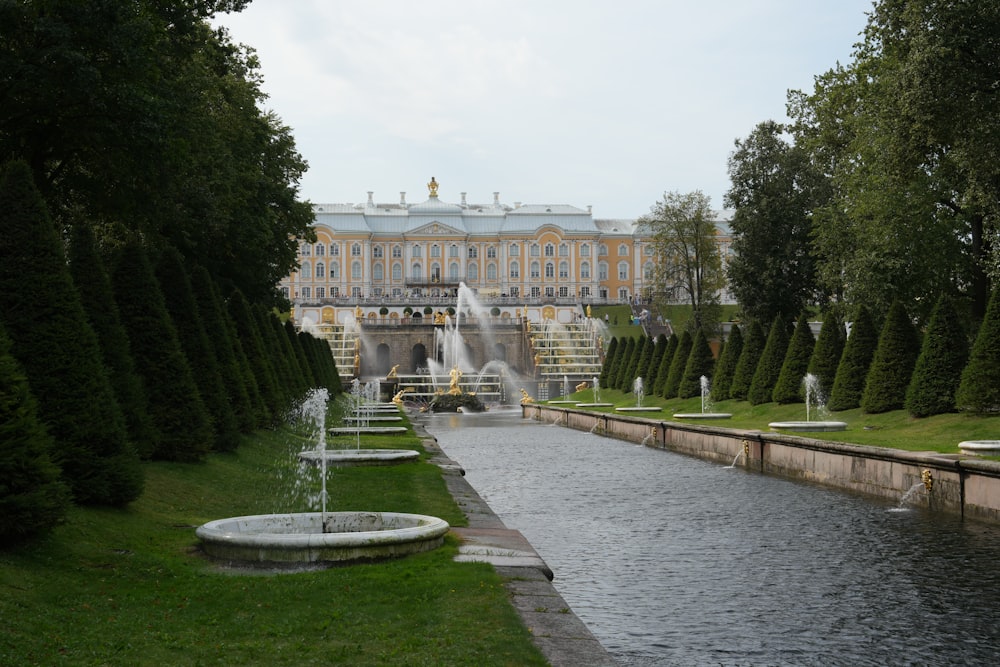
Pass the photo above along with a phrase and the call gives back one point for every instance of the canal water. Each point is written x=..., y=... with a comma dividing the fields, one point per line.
x=671, y=560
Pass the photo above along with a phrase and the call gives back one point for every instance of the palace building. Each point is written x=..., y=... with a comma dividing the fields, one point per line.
x=398, y=253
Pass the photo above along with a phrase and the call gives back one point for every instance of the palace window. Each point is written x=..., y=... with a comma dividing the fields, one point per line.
x=564, y=269
x=536, y=270
x=585, y=250
x=515, y=270
x=622, y=250
x=491, y=252
x=355, y=292
x=563, y=250
x=334, y=250
x=453, y=250
x=306, y=293
x=550, y=270
x=602, y=271
x=453, y=271
x=355, y=270
x=435, y=250
x=320, y=250
x=335, y=270
x=550, y=250
x=320, y=270
x=356, y=250
x=585, y=271
x=377, y=252
x=335, y=292
x=535, y=251
x=584, y=292
x=515, y=291
x=473, y=271
x=550, y=292
x=473, y=252
x=602, y=250
x=515, y=250
x=397, y=272
x=563, y=292
x=647, y=271
x=305, y=250
x=377, y=272
x=306, y=270
x=416, y=271
x=320, y=292
x=284, y=292
x=536, y=292
x=397, y=251
x=622, y=270
x=491, y=271
x=416, y=251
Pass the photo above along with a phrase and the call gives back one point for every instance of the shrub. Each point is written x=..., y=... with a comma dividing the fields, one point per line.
x=725, y=367
x=826, y=354
x=610, y=358
x=494, y=312
x=765, y=376
x=663, y=370
x=652, y=373
x=700, y=362
x=788, y=388
x=938, y=371
x=753, y=346
x=859, y=348
x=979, y=390
x=383, y=311
x=671, y=387
x=892, y=366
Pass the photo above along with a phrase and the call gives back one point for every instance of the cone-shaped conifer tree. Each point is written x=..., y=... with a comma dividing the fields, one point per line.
x=826, y=355
x=979, y=390
x=859, y=348
x=610, y=357
x=892, y=365
x=938, y=372
x=672, y=386
x=700, y=362
x=753, y=347
x=725, y=368
x=765, y=376
x=58, y=350
x=663, y=371
x=659, y=348
x=788, y=388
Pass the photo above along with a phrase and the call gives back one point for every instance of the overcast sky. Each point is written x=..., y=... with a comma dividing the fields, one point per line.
x=546, y=101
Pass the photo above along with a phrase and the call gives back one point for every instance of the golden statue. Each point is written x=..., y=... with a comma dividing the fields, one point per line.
x=525, y=398
x=439, y=318
x=358, y=313
x=588, y=310
x=433, y=187
x=453, y=387
x=392, y=372
x=583, y=385
x=398, y=398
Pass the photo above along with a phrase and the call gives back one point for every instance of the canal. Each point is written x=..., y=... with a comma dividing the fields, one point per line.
x=671, y=560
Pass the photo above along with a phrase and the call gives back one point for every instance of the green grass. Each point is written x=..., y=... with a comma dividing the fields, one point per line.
x=130, y=586
x=896, y=429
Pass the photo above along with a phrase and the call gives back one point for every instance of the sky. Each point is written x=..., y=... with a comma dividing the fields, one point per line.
x=609, y=104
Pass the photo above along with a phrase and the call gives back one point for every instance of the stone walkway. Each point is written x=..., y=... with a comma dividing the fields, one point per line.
x=559, y=634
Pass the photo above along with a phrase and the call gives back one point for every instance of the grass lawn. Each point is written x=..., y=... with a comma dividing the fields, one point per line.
x=130, y=587
x=895, y=429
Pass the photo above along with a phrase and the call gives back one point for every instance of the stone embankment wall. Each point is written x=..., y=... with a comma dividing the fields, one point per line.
x=951, y=483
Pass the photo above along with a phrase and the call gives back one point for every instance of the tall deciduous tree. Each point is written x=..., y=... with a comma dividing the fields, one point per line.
x=688, y=262
x=58, y=350
x=774, y=190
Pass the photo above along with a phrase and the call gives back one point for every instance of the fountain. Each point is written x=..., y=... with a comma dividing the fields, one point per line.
x=316, y=538
x=980, y=447
x=365, y=408
x=596, y=384
x=814, y=396
x=706, y=406
x=637, y=389
x=566, y=392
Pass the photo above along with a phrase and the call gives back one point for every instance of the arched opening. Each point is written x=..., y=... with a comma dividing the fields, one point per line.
x=382, y=364
x=500, y=352
x=418, y=358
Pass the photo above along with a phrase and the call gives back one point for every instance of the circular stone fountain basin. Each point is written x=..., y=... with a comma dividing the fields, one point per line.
x=980, y=447
x=374, y=418
x=703, y=415
x=380, y=430
x=360, y=457
x=267, y=539
x=594, y=405
x=808, y=426
x=638, y=409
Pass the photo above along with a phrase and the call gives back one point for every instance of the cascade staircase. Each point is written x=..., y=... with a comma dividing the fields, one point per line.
x=566, y=350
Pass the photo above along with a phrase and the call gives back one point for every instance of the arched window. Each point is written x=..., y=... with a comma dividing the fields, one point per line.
x=585, y=271
x=397, y=251
x=535, y=250
x=415, y=271
x=320, y=270
x=515, y=250
x=622, y=270
x=622, y=250
x=377, y=252
x=585, y=250
x=515, y=270
x=334, y=250
x=564, y=269
x=550, y=250
x=416, y=251
x=320, y=250
x=647, y=271
x=491, y=271
x=355, y=270
x=335, y=270
x=536, y=270
x=356, y=250
x=306, y=270
x=602, y=271
x=550, y=270
x=491, y=252
x=473, y=271
x=377, y=271
x=473, y=252
x=453, y=271
x=602, y=250
x=397, y=272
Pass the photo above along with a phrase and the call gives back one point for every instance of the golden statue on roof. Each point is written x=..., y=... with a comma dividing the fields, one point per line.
x=433, y=187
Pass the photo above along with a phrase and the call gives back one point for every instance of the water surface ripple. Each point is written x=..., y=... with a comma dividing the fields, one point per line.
x=671, y=560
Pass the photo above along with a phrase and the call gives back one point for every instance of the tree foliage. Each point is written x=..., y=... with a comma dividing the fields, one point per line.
x=673, y=382
x=852, y=370
x=743, y=374
x=979, y=390
x=688, y=262
x=826, y=355
x=765, y=376
x=700, y=362
x=725, y=368
x=773, y=193
x=788, y=388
